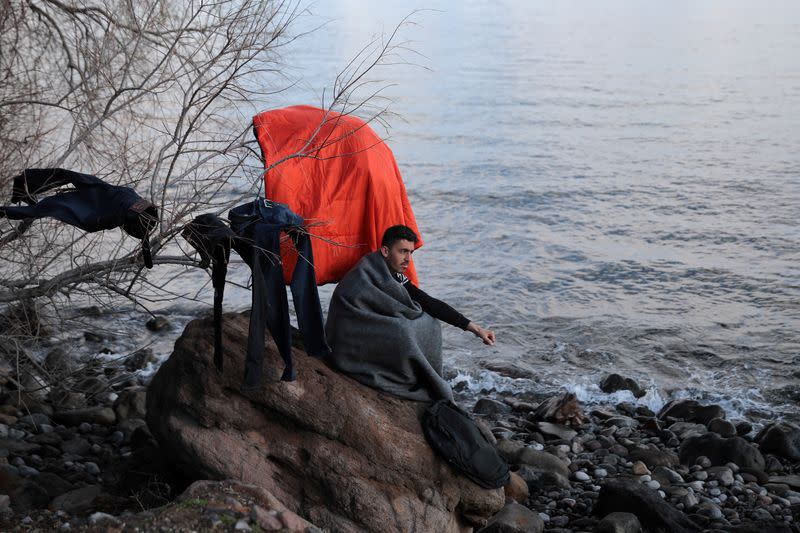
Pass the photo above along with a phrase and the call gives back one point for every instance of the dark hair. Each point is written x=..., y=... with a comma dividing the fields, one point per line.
x=396, y=233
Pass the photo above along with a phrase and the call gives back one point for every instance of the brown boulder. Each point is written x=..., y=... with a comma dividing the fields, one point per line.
x=342, y=455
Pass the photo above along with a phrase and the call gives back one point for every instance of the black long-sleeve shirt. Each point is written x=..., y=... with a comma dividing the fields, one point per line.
x=436, y=308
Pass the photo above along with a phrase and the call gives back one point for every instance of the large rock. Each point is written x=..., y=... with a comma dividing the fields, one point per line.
x=615, y=382
x=691, y=411
x=781, y=439
x=619, y=523
x=721, y=451
x=628, y=496
x=342, y=455
x=514, y=518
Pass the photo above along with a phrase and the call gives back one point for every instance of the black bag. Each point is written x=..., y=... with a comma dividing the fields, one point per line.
x=456, y=438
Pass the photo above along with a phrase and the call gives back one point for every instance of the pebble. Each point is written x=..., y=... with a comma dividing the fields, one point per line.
x=639, y=468
x=700, y=475
x=242, y=525
x=581, y=476
x=600, y=472
x=645, y=478
x=85, y=427
x=92, y=468
x=27, y=471
x=545, y=517
x=653, y=484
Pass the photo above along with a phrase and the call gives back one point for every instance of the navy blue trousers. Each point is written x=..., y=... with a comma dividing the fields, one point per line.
x=258, y=227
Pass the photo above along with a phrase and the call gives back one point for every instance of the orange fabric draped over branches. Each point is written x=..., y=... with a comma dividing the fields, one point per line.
x=344, y=182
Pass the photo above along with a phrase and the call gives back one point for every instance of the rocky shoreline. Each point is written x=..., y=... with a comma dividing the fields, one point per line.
x=87, y=461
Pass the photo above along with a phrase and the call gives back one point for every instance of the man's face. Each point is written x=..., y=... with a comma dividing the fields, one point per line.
x=398, y=256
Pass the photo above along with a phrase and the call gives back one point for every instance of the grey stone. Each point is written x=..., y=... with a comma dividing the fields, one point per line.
x=615, y=382
x=691, y=411
x=721, y=450
x=77, y=501
x=554, y=430
x=93, y=415
x=722, y=427
x=76, y=446
x=489, y=407
x=626, y=495
x=158, y=324
x=782, y=439
x=34, y=420
x=619, y=523
x=514, y=518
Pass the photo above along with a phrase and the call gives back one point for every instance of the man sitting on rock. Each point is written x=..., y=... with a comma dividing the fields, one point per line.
x=383, y=330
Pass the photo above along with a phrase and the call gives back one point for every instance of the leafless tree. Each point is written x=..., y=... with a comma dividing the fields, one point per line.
x=154, y=95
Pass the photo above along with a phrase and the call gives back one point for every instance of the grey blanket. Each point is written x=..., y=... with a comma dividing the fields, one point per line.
x=381, y=337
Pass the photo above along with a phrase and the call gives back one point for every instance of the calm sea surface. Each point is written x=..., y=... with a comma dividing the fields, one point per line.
x=610, y=186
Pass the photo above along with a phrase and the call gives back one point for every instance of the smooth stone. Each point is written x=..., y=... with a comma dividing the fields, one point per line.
x=666, y=476
x=721, y=450
x=514, y=518
x=77, y=501
x=158, y=323
x=581, y=476
x=640, y=469
x=722, y=427
x=92, y=415
x=654, y=513
x=616, y=382
x=653, y=458
x=555, y=430
x=516, y=489
x=709, y=510
x=781, y=439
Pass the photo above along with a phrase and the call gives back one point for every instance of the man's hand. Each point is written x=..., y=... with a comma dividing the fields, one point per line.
x=486, y=335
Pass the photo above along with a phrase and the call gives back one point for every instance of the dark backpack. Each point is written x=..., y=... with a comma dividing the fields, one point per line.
x=455, y=437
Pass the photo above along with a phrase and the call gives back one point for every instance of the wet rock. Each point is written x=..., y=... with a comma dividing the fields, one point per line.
x=91, y=336
x=516, y=490
x=722, y=427
x=743, y=428
x=5, y=503
x=615, y=382
x=721, y=450
x=489, y=407
x=619, y=523
x=511, y=370
x=158, y=324
x=781, y=439
x=77, y=501
x=691, y=411
x=139, y=359
x=628, y=496
x=19, y=447
x=557, y=431
x=104, y=519
x=92, y=415
x=514, y=518
x=539, y=480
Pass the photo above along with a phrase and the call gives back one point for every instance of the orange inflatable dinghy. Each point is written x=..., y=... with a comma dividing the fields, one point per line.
x=337, y=174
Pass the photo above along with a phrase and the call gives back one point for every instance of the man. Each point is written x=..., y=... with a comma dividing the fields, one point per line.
x=397, y=246
x=384, y=332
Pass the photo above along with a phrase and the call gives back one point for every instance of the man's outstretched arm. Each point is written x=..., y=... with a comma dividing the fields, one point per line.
x=440, y=310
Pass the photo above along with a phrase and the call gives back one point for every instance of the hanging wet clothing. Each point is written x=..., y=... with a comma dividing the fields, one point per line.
x=93, y=205
x=212, y=239
x=258, y=226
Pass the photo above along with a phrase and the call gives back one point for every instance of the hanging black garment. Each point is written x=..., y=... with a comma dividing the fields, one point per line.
x=93, y=205
x=454, y=436
x=258, y=227
x=212, y=238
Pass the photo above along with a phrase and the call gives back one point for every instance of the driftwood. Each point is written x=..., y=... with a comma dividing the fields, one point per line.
x=563, y=409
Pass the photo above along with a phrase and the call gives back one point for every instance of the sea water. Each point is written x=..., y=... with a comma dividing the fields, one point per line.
x=609, y=186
